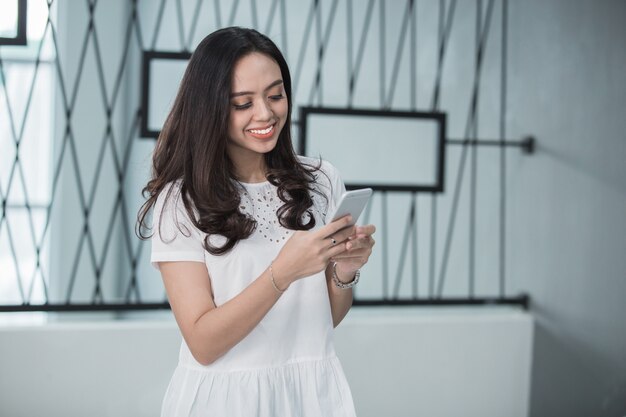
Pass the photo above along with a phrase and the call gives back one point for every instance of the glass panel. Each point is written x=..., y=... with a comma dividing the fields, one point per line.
x=356, y=144
x=8, y=19
x=165, y=76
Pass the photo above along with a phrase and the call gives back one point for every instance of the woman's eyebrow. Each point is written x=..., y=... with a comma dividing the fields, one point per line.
x=247, y=93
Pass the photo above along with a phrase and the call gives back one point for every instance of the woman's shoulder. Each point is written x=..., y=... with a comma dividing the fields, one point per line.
x=170, y=201
x=170, y=193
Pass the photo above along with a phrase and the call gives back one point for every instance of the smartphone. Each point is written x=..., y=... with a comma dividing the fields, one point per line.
x=353, y=203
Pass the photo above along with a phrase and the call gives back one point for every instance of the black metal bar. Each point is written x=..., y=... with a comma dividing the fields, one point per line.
x=382, y=49
x=302, y=51
x=522, y=300
x=322, y=43
x=526, y=144
x=433, y=245
x=283, y=26
x=157, y=25
x=194, y=23
x=474, y=164
x=413, y=56
x=399, y=53
x=349, y=45
x=74, y=307
x=415, y=257
x=385, y=263
x=404, y=248
x=319, y=50
x=181, y=24
x=359, y=57
x=433, y=115
x=503, y=81
x=444, y=35
x=392, y=187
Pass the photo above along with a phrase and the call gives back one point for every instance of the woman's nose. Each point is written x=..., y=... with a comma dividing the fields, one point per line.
x=263, y=111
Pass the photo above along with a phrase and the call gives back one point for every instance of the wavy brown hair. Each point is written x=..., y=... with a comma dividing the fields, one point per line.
x=192, y=147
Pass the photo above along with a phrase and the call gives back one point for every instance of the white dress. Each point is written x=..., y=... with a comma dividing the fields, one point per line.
x=287, y=366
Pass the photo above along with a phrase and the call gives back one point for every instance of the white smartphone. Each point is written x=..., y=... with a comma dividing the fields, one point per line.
x=353, y=203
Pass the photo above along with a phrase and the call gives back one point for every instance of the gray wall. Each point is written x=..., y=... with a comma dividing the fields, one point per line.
x=567, y=216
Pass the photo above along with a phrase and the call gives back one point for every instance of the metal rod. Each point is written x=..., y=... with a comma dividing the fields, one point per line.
x=527, y=143
x=83, y=307
x=522, y=300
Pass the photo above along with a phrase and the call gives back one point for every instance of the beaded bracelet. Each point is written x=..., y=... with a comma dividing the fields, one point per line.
x=345, y=285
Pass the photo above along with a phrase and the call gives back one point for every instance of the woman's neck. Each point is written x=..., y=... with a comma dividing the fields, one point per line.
x=250, y=169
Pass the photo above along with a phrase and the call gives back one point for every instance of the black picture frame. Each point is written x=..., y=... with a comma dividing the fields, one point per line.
x=147, y=58
x=438, y=117
x=20, y=38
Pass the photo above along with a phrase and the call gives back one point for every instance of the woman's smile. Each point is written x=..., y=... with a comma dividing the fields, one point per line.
x=262, y=133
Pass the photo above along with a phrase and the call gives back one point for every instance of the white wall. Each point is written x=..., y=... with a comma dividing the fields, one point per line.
x=399, y=362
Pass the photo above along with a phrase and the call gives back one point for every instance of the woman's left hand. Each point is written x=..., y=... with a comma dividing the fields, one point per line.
x=357, y=253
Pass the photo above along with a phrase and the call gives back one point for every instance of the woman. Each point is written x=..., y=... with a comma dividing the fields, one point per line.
x=256, y=274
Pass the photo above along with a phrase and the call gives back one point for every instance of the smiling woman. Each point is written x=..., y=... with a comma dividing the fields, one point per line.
x=260, y=110
x=256, y=272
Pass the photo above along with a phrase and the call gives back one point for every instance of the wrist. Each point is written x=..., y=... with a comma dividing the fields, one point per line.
x=344, y=285
x=344, y=276
x=282, y=276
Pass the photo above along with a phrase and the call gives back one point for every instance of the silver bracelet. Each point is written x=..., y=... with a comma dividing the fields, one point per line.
x=345, y=285
x=278, y=290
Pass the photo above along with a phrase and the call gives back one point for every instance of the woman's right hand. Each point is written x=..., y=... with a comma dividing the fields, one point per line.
x=308, y=252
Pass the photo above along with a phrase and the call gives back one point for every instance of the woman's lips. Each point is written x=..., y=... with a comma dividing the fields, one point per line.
x=264, y=133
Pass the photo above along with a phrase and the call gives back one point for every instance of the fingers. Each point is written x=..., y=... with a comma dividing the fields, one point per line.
x=334, y=251
x=361, y=248
x=368, y=229
x=360, y=255
x=360, y=242
x=351, y=242
x=343, y=234
x=334, y=227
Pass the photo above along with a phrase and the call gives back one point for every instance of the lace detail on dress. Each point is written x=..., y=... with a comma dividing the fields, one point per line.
x=261, y=202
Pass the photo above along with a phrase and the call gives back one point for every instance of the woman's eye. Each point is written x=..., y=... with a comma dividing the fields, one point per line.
x=242, y=106
x=277, y=97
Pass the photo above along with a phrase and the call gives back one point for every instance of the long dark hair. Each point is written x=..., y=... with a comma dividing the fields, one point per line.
x=192, y=147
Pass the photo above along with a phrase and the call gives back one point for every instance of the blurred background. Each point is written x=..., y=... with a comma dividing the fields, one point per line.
x=493, y=133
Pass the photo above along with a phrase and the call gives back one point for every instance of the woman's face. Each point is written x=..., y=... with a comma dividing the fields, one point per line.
x=258, y=107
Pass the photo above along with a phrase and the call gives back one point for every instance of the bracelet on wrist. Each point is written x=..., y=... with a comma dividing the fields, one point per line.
x=278, y=290
x=345, y=285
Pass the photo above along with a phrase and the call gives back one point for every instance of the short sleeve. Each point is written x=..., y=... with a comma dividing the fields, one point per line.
x=336, y=188
x=174, y=237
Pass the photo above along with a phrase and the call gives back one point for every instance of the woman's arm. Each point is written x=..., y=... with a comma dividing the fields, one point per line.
x=340, y=299
x=358, y=250
x=211, y=331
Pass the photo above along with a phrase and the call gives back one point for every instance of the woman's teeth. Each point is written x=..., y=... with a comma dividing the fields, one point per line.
x=263, y=131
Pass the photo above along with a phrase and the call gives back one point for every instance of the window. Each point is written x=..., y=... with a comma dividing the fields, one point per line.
x=27, y=79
